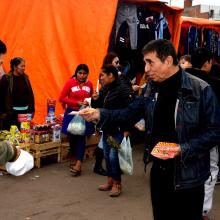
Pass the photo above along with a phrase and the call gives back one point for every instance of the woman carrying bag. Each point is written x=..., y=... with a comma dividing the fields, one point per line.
x=117, y=96
x=73, y=96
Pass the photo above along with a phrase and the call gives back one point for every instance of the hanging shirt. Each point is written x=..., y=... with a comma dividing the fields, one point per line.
x=123, y=37
x=146, y=25
x=128, y=13
x=192, y=39
x=162, y=29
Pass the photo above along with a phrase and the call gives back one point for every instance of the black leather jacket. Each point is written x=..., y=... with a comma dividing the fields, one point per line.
x=117, y=95
x=197, y=120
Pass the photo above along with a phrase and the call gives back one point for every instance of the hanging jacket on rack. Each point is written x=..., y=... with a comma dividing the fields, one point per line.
x=128, y=13
x=162, y=29
x=146, y=25
x=192, y=39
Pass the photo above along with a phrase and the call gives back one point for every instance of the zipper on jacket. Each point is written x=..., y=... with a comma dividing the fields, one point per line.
x=154, y=100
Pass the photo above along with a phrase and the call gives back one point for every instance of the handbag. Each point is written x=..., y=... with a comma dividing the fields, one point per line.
x=125, y=156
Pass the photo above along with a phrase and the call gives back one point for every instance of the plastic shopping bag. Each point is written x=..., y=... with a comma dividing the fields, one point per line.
x=77, y=126
x=125, y=156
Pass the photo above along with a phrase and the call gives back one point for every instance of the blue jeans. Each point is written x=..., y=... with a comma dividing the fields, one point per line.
x=77, y=146
x=111, y=158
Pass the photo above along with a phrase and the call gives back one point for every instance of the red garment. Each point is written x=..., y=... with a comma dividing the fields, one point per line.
x=74, y=92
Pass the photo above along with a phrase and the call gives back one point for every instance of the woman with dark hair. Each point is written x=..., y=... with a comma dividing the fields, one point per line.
x=117, y=95
x=16, y=94
x=73, y=95
x=111, y=58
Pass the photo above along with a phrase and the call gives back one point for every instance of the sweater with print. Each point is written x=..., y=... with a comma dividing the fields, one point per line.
x=74, y=92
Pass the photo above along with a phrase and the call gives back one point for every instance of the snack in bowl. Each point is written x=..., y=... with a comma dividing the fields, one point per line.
x=165, y=150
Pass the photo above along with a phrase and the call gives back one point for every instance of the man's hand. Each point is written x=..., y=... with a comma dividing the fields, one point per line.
x=90, y=114
x=135, y=87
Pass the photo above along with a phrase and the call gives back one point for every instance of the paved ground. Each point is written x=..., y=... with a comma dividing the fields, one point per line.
x=50, y=193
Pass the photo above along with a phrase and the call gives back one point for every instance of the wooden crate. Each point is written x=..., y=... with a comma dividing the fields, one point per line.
x=91, y=144
x=89, y=152
x=64, y=151
x=43, y=150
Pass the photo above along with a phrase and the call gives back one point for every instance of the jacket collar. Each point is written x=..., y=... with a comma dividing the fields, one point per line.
x=186, y=87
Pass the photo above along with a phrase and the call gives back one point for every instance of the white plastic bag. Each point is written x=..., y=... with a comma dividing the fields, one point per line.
x=77, y=126
x=125, y=156
x=21, y=165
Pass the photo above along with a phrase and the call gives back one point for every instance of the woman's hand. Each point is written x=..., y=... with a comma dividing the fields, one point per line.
x=95, y=95
x=85, y=103
x=80, y=104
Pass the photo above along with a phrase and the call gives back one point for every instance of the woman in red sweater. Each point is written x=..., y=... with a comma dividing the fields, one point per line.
x=73, y=97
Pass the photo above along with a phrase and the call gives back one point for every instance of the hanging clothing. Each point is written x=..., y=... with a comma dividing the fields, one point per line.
x=146, y=26
x=192, y=39
x=128, y=13
x=162, y=29
x=123, y=37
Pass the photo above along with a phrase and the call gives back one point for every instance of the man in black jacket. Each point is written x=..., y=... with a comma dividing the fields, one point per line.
x=182, y=111
x=201, y=60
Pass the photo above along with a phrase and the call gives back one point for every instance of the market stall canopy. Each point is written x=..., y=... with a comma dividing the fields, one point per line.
x=54, y=36
x=197, y=22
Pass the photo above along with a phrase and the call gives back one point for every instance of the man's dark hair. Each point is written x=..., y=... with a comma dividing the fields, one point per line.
x=109, y=68
x=163, y=49
x=200, y=56
x=3, y=48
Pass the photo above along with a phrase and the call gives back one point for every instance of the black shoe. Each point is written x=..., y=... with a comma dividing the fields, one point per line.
x=100, y=171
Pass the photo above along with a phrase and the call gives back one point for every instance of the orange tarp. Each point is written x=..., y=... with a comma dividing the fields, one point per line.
x=54, y=36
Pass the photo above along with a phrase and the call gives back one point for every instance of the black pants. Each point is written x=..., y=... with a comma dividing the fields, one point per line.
x=171, y=204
